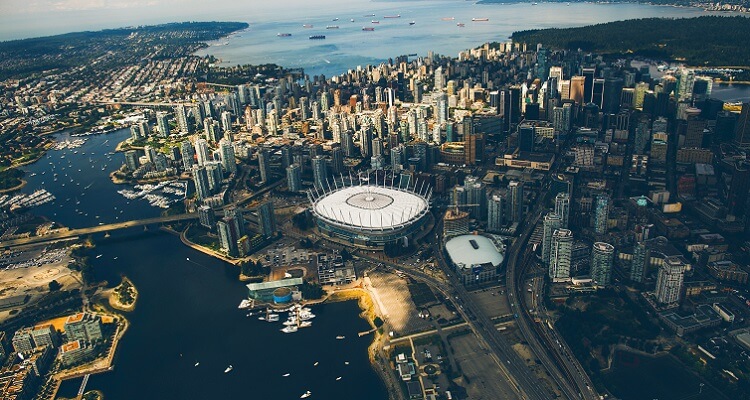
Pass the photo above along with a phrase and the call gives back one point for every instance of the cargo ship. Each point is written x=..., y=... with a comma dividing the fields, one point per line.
x=460, y=24
x=375, y=22
x=283, y=34
x=307, y=26
x=314, y=37
x=368, y=29
x=392, y=16
x=412, y=23
x=480, y=19
x=448, y=18
x=332, y=27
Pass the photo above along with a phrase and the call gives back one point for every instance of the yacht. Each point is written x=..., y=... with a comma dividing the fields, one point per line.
x=272, y=318
x=285, y=375
x=197, y=364
x=229, y=369
x=245, y=303
x=306, y=395
x=290, y=329
x=338, y=378
x=341, y=337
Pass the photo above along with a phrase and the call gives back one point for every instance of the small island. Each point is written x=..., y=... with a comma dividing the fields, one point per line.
x=124, y=296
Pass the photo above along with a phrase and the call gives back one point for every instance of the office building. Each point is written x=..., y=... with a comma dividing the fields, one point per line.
x=264, y=165
x=182, y=119
x=187, y=153
x=601, y=214
x=602, y=261
x=45, y=335
x=201, y=150
x=515, y=201
x=560, y=254
x=206, y=217
x=228, y=162
x=320, y=171
x=562, y=208
x=552, y=222
x=670, y=279
x=639, y=263
x=294, y=178
x=495, y=212
x=131, y=160
x=162, y=123
x=23, y=341
x=267, y=219
x=200, y=178
x=742, y=128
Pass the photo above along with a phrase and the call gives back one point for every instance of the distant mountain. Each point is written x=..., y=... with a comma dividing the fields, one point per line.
x=701, y=41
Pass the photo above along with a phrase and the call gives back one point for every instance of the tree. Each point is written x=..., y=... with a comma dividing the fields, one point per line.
x=54, y=286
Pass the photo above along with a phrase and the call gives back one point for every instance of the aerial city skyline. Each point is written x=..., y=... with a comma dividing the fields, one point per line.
x=375, y=200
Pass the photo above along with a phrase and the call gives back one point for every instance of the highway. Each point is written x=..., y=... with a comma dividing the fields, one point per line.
x=564, y=369
x=95, y=229
x=525, y=380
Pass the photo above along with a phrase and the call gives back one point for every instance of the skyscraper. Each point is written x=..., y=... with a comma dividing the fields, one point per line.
x=187, y=153
x=182, y=119
x=742, y=128
x=560, y=254
x=228, y=161
x=495, y=212
x=552, y=222
x=162, y=122
x=320, y=171
x=602, y=259
x=562, y=208
x=267, y=219
x=131, y=160
x=639, y=264
x=200, y=178
x=293, y=178
x=515, y=201
x=264, y=164
x=201, y=150
x=669, y=280
x=601, y=214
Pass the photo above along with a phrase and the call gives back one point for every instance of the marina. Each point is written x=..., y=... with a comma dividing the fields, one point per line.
x=19, y=201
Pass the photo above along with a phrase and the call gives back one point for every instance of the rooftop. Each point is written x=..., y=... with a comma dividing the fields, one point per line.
x=371, y=207
x=470, y=250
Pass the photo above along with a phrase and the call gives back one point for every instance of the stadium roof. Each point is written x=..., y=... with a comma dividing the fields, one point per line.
x=370, y=207
x=468, y=250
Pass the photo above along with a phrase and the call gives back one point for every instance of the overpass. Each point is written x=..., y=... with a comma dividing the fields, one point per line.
x=96, y=229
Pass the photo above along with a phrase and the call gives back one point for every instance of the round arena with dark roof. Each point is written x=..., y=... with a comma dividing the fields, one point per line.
x=369, y=216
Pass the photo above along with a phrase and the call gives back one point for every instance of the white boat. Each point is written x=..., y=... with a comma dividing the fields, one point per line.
x=338, y=378
x=197, y=364
x=346, y=362
x=285, y=375
x=340, y=337
x=99, y=256
x=245, y=304
x=290, y=329
x=261, y=318
x=250, y=314
x=229, y=369
x=305, y=324
x=272, y=317
x=316, y=364
x=306, y=395
x=290, y=322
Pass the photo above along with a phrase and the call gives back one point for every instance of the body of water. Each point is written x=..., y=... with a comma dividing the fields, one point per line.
x=187, y=309
x=435, y=29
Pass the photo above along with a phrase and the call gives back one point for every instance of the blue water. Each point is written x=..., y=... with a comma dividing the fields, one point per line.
x=347, y=47
x=187, y=309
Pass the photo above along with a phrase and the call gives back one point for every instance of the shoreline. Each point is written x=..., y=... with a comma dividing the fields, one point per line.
x=14, y=188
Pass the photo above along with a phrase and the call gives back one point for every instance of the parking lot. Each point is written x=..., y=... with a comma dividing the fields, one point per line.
x=493, y=301
x=399, y=309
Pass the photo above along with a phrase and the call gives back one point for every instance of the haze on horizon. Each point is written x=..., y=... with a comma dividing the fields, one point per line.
x=21, y=19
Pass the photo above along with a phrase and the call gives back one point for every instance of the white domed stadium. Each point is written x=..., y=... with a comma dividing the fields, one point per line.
x=369, y=216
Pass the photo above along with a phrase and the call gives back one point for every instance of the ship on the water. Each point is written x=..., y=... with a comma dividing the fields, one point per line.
x=332, y=27
x=392, y=16
x=307, y=26
x=480, y=19
x=412, y=22
x=283, y=34
x=368, y=28
x=317, y=37
x=460, y=24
